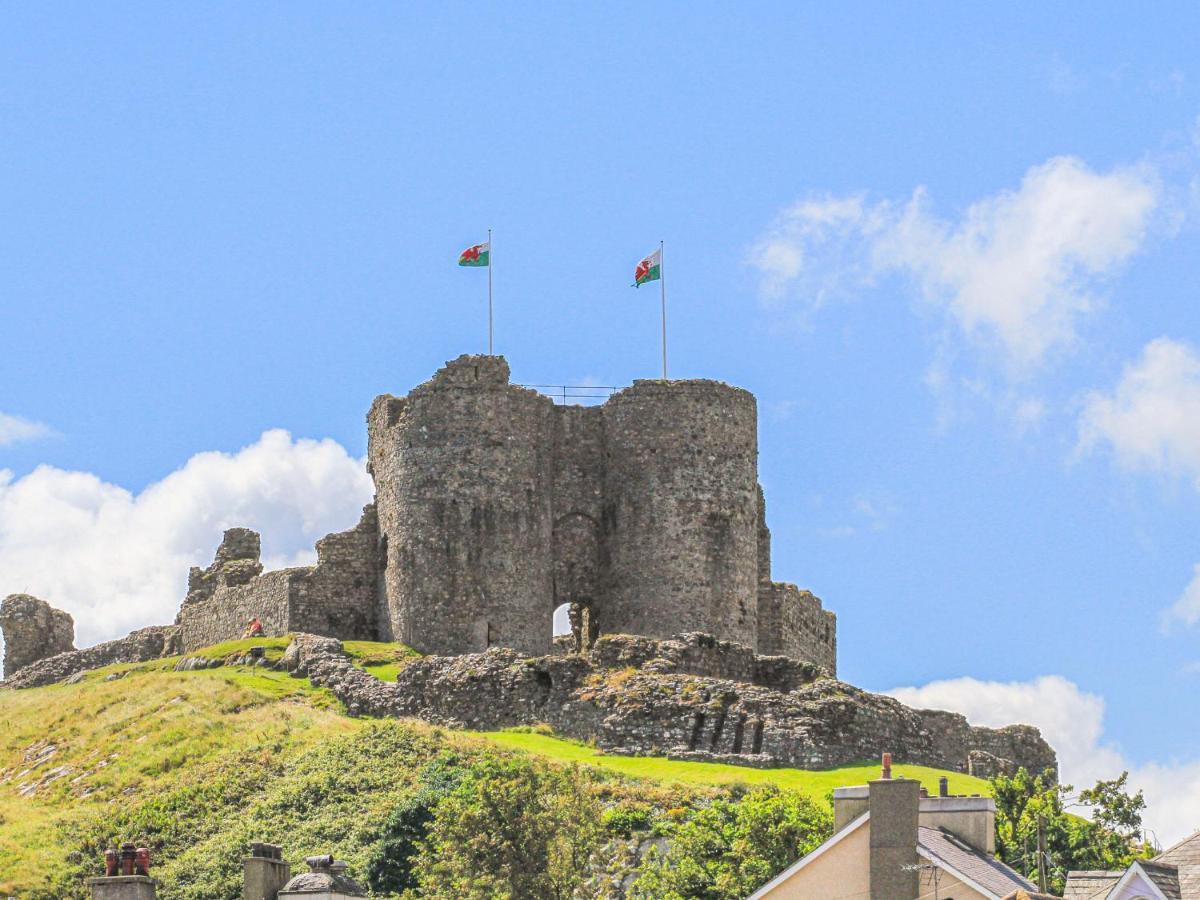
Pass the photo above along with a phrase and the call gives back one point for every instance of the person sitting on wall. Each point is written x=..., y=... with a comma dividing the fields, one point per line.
x=254, y=629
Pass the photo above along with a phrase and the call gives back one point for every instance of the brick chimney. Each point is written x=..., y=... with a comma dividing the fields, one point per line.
x=126, y=876
x=265, y=872
x=894, y=804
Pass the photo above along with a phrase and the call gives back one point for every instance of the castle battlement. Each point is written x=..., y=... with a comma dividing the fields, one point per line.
x=495, y=506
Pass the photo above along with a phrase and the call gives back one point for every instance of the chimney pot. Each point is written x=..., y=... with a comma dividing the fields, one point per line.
x=943, y=786
x=887, y=765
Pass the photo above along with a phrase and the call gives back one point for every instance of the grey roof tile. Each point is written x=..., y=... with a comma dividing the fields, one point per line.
x=986, y=871
x=1185, y=856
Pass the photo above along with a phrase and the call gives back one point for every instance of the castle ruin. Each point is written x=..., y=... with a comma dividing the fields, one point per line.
x=494, y=506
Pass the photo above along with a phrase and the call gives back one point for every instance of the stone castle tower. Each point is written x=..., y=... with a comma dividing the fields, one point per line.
x=494, y=506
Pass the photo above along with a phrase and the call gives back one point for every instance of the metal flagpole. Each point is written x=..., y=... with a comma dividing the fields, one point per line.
x=491, y=256
x=662, y=283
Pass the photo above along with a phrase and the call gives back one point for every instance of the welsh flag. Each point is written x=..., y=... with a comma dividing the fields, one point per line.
x=477, y=255
x=649, y=269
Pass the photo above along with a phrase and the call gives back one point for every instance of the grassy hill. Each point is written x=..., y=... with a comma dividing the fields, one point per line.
x=196, y=764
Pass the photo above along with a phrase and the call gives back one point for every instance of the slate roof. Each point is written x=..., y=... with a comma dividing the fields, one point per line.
x=1090, y=885
x=1165, y=877
x=986, y=871
x=1096, y=885
x=1185, y=856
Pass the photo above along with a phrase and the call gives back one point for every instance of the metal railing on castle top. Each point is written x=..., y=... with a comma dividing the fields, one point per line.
x=575, y=393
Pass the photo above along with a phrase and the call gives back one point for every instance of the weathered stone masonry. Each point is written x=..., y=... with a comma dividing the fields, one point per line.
x=338, y=596
x=494, y=506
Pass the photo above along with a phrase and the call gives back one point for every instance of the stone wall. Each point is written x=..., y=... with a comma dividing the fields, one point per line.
x=339, y=596
x=701, y=654
x=793, y=623
x=33, y=630
x=225, y=615
x=140, y=646
x=651, y=709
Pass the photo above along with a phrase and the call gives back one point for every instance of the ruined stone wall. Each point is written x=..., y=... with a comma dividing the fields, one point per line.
x=33, y=630
x=236, y=562
x=140, y=646
x=224, y=616
x=702, y=654
x=463, y=475
x=681, y=510
x=339, y=596
x=793, y=623
x=650, y=708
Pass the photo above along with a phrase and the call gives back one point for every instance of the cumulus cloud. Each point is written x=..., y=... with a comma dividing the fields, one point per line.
x=1072, y=720
x=118, y=561
x=14, y=429
x=1151, y=419
x=1013, y=274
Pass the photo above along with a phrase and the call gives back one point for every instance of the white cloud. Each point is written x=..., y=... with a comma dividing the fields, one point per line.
x=1072, y=720
x=1151, y=419
x=118, y=561
x=14, y=429
x=1186, y=609
x=1013, y=274
x=814, y=247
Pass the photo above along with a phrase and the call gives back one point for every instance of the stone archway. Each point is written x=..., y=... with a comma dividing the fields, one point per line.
x=576, y=575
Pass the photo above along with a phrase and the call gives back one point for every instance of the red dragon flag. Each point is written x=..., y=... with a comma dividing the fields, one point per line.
x=476, y=256
x=649, y=269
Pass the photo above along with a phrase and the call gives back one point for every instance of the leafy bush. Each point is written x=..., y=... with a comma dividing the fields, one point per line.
x=729, y=849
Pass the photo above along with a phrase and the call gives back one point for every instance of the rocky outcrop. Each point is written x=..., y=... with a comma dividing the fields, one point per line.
x=33, y=630
x=140, y=646
x=650, y=709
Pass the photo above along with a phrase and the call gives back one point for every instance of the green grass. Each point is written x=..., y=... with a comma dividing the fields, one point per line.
x=131, y=738
x=222, y=753
x=383, y=660
x=273, y=647
x=814, y=783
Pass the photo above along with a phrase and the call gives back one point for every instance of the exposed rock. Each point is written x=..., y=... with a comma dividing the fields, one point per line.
x=33, y=630
x=646, y=710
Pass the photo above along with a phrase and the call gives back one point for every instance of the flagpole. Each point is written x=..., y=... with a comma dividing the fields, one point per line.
x=491, y=256
x=662, y=283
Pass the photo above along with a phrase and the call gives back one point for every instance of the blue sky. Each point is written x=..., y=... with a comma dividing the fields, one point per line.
x=952, y=250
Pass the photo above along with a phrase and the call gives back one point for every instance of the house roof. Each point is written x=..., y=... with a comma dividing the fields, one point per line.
x=985, y=873
x=1090, y=885
x=971, y=865
x=1163, y=878
x=1098, y=885
x=1185, y=856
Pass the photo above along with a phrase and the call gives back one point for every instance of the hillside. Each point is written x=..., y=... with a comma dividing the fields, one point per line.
x=198, y=763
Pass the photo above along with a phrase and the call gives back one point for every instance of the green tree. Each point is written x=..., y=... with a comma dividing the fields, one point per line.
x=1109, y=839
x=512, y=828
x=390, y=868
x=730, y=848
